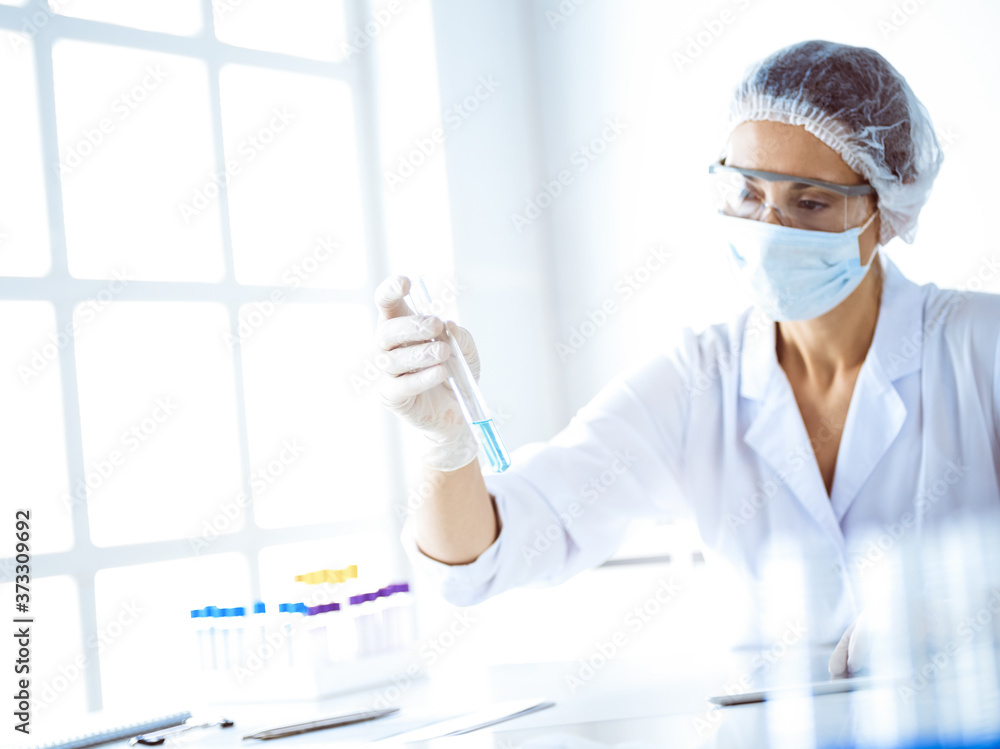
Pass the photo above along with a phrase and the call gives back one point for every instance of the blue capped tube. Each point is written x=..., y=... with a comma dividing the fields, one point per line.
x=464, y=386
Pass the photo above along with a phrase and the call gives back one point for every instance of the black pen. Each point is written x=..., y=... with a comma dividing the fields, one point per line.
x=158, y=737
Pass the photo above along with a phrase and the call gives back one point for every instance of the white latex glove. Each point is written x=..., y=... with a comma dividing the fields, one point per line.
x=852, y=652
x=412, y=384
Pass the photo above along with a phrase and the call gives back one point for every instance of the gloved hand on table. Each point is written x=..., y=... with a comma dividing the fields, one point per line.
x=412, y=384
x=850, y=657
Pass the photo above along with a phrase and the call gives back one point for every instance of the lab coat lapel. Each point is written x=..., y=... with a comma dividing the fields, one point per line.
x=877, y=413
x=777, y=433
x=874, y=418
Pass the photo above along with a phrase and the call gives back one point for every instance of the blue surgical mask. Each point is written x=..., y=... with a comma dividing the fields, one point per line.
x=794, y=274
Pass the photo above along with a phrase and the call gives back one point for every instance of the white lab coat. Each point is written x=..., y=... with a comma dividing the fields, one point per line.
x=712, y=430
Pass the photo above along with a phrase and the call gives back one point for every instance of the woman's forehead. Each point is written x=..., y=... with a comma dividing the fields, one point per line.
x=787, y=149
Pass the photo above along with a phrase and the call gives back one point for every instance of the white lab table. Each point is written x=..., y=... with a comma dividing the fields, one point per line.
x=648, y=703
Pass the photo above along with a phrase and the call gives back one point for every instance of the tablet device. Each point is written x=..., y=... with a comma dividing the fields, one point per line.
x=816, y=688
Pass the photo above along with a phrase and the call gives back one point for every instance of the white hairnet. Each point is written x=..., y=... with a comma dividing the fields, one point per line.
x=853, y=100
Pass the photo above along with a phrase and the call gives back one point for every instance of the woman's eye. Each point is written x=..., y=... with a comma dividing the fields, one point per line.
x=812, y=205
x=747, y=196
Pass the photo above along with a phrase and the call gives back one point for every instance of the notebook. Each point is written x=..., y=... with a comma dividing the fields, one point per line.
x=118, y=732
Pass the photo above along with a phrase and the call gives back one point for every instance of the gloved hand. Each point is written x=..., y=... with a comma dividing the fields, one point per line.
x=852, y=652
x=412, y=384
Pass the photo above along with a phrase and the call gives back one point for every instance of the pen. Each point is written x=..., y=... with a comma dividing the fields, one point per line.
x=317, y=725
x=158, y=737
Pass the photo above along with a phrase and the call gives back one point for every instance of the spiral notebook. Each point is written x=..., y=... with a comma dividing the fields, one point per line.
x=117, y=732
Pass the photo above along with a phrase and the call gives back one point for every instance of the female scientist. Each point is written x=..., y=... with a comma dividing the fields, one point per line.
x=847, y=398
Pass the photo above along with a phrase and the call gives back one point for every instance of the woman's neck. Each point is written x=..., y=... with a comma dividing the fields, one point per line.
x=837, y=342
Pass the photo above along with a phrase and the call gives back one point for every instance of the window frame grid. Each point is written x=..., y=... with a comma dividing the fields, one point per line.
x=84, y=560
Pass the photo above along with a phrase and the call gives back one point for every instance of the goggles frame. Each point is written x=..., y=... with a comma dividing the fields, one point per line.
x=849, y=190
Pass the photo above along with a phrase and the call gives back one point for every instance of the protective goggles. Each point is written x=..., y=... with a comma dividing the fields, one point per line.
x=797, y=201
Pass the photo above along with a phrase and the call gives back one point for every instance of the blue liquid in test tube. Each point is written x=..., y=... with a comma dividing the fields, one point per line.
x=489, y=439
x=464, y=386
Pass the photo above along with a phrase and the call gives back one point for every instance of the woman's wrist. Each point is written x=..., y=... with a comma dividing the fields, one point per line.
x=450, y=451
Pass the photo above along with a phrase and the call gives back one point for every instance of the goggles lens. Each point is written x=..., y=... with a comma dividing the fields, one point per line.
x=796, y=203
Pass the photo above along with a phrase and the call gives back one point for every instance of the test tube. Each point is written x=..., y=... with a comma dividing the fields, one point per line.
x=224, y=627
x=464, y=386
x=291, y=625
x=260, y=617
x=197, y=620
x=381, y=637
x=213, y=613
x=318, y=623
x=342, y=638
x=365, y=621
x=393, y=616
x=236, y=626
x=404, y=615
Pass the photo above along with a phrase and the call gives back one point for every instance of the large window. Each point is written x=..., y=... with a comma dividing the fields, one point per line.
x=191, y=227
